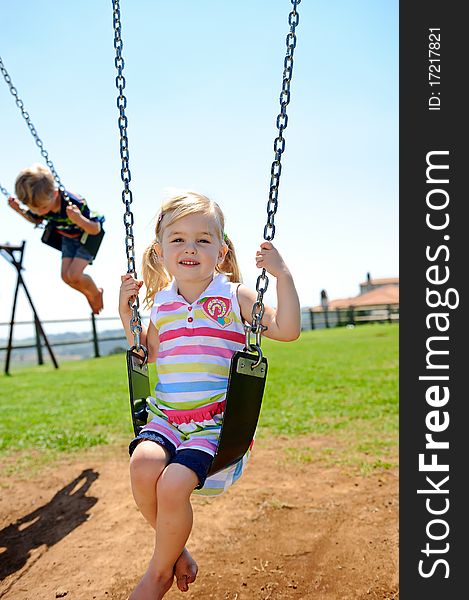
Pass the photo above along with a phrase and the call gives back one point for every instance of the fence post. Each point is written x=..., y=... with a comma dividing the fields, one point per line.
x=95, y=336
x=351, y=317
x=339, y=321
x=40, y=359
x=389, y=314
x=311, y=318
x=326, y=317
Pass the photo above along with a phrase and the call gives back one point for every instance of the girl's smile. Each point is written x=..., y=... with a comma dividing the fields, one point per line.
x=189, y=263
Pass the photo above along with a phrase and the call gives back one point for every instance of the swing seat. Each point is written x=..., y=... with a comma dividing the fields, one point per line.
x=92, y=242
x=243, y=404
x=242, y=410
x=52, y=238
x=139, y=390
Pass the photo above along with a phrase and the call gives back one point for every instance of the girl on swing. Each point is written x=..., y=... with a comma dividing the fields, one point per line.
x=35, y=188
x=198, y=308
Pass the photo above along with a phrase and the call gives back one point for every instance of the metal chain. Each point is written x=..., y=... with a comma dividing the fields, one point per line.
x=32, y=129
x=135, y=321
x=4, y=191
x=276, y=169
x=279, y=147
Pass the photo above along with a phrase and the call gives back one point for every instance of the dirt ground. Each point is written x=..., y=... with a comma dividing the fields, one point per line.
x=286, y=530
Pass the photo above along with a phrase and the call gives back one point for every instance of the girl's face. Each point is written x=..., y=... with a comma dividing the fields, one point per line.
x=190, y=248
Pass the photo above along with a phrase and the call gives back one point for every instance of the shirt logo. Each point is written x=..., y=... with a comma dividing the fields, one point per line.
x=217, y=309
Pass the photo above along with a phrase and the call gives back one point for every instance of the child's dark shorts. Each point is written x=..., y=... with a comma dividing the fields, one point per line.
x=196, y=460
x=71, y=248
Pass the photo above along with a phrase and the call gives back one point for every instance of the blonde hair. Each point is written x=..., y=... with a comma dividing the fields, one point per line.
x=155, y=276
x=35, y=186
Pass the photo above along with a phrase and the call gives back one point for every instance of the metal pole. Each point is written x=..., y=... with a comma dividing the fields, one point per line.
x=95, y=336
x=18, y=264
x=40, y=358
x=12, y=320
x=38, y=322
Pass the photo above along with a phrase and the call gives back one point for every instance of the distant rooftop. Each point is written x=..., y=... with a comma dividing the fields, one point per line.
x=374, y=292
x=382, y=281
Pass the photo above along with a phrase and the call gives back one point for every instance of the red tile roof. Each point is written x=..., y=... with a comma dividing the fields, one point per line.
x=386, y=294
x=382, y=281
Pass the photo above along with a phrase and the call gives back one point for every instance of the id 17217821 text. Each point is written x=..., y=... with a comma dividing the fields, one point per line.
x=434, y=68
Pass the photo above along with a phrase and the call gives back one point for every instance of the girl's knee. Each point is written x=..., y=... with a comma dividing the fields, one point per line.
x=176, y=483
x=147, y=462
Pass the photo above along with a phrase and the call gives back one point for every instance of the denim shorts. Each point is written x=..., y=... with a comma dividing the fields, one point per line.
x=196, y=460
x=71, y=248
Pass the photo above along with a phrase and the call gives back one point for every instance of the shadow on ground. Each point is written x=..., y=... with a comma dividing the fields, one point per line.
x=48, y=524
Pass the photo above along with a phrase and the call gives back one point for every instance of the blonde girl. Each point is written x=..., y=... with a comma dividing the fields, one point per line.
x=198, y=309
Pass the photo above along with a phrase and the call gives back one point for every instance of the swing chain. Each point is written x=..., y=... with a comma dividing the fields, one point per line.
x=275, y=171
x=32, y=129
x=124, y=142
x=135, y=320
x=135, y=326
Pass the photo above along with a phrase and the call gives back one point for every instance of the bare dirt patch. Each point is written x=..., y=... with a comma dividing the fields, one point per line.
x=286, y=530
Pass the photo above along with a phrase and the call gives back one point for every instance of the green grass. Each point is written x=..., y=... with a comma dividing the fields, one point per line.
x=338, y=385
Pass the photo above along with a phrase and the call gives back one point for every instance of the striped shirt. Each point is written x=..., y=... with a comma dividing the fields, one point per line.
x=197, y=342
x=61, y=220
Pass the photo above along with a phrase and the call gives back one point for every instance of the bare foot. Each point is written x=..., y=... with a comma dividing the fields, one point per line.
x=185, y=570
x=97, y=302
x=151, y=587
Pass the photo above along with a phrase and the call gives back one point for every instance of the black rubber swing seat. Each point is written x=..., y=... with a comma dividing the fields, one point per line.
x=139, y=389
x=246, y=385
x=91, y=243
x=243, y=406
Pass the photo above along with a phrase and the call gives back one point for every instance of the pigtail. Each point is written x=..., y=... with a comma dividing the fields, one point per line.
x=155, y=275
x=229, y=266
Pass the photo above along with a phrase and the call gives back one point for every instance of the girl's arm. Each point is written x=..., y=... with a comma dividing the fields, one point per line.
x=16, y=206
x=148, y=337
x=284, y=322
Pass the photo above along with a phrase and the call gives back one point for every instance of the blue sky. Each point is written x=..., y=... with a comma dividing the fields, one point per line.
x=203, y=83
